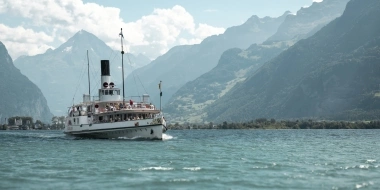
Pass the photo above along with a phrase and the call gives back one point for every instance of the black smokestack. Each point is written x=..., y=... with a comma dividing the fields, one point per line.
x=105, y=66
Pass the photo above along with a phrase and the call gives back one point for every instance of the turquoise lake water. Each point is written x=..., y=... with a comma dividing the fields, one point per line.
x=193, y=159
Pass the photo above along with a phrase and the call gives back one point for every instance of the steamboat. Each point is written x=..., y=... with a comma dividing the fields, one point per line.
x=110, y=116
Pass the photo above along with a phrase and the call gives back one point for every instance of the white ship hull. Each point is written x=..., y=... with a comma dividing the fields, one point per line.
x=117, y=130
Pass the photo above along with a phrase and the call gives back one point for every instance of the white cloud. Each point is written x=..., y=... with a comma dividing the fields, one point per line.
x=202, y=32
x=152, y=34
x=314, y=1
x=2, y=6
x=183, y=41
x=21, y=41
x=205, y=30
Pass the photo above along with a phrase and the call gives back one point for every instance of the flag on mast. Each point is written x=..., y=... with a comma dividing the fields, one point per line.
x=159, y=87
x=121, y=33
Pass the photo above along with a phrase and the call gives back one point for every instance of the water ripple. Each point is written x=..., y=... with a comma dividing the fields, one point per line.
x=191, y=159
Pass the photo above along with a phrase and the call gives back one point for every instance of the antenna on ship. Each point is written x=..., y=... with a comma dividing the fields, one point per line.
x=88, y=75
x=122, y=64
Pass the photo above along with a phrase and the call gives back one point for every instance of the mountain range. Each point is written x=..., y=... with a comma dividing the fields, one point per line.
x=334, y=74
x=185, y=63
x=189, y=103
x=19, y=96
x=62, y=75
x=318, y=63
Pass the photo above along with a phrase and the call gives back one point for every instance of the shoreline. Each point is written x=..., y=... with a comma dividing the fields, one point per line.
x=272, y=124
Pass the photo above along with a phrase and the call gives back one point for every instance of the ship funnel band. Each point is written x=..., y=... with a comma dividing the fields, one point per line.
x=105, y=67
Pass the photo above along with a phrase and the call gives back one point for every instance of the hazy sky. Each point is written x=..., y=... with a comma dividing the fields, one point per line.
x=151, y=27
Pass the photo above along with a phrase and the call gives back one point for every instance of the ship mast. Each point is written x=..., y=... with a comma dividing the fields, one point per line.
x=88, y=75
x=122, y=64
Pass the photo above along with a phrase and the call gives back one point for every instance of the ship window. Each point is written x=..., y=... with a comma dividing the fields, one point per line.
x=100, y=118
x=111, y=92
x=118, y=92
x=106, y=92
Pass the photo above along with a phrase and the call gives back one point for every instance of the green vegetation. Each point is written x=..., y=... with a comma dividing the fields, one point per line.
x=263, y=123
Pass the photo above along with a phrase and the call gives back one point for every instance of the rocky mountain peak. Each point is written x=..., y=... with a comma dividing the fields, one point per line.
x=81, y=40
x=4, y=52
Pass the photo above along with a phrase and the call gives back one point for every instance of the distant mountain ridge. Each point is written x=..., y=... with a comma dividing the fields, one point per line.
x=313, y=17
x=61, y=73
x=334, y=74
x=185, y=63
x=19, y=96
x=189, y=103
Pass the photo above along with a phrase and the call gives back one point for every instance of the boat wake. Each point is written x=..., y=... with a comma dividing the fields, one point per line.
x=137, y=138
x=166, y=137
x=42, y=135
